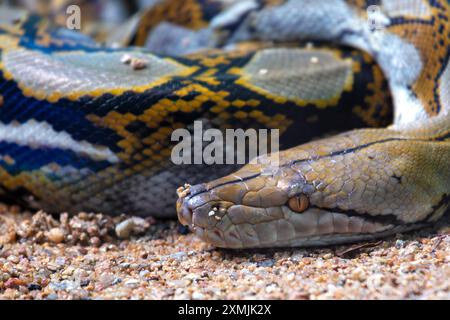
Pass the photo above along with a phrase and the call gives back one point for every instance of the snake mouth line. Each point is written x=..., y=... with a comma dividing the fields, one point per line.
x=217, y=238
x=210, y=228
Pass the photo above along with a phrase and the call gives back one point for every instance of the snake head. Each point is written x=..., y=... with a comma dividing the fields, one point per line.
x=263, y=206
x=336, y=190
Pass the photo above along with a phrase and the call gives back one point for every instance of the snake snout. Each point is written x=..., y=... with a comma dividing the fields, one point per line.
x=189, y=198
x=184, y=212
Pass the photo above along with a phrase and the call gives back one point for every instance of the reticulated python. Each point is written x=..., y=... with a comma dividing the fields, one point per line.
x=80, y=130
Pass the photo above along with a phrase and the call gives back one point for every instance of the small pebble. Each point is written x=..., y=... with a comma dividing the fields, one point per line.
x=134, y=62
x=138, y=64
x=399, y=244
x=132, y=283
x=34, y=286
x=13, y=283
x=265, y=263
x=126, y=59
x=198, y=296
x=84, y=282
x=132, y=226
x=55, y=235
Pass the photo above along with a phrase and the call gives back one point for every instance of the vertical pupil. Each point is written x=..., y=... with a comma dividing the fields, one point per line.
x=298, y=203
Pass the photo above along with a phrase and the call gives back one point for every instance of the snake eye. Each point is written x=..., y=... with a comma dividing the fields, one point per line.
x=298, y=203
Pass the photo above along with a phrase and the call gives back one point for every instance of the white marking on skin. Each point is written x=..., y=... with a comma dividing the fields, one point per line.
x=408, y=108
x=211, y=213
x=401, y=63
x=41, y=134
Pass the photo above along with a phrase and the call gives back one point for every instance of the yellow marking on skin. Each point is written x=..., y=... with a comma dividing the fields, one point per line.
x=208, y=77
x=238, y=103
x=187, y=13
x=153, y=146
x=7, y=42
x=43, y=37
x=118, y=122
x=424, y=85
x=32, y=181
x=11, y=30
x=214, y=61
x=8, y=159
x=240, y=115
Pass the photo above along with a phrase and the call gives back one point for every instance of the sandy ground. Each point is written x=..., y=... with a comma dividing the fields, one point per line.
x=81, y=257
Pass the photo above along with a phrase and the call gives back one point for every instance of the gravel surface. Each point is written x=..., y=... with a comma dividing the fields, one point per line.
x=93, y=256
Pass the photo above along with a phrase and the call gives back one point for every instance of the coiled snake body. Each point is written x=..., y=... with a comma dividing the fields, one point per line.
x=80, y=130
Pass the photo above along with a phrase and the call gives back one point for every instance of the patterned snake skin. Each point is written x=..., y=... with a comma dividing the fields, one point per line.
x=82, y=131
